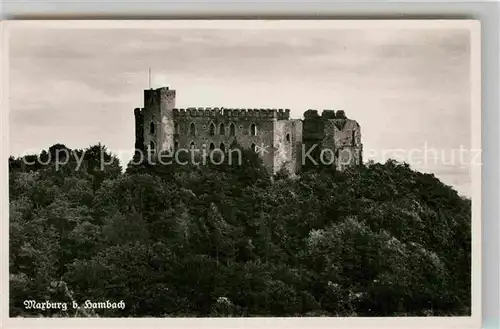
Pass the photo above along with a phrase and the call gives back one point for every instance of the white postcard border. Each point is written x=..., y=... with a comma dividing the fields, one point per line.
x=473, y=321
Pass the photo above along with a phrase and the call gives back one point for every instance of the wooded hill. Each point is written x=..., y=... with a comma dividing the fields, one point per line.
x=375, y=240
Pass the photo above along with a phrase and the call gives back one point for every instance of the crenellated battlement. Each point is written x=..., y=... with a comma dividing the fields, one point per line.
x=326, y=114
x=279, y=114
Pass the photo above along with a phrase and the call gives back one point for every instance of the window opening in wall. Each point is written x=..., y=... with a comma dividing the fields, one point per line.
x=253, y=129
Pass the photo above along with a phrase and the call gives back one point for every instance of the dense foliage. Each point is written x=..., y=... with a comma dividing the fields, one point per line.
x=375, y=240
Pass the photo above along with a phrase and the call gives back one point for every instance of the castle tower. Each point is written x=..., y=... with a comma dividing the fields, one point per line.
x=155, y=122
x=333, y=138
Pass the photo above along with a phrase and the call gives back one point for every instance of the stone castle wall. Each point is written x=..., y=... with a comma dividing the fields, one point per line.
x=333, y=138
x=162, y=126
x=287, y=141
x=223, y=132
x=253, y=114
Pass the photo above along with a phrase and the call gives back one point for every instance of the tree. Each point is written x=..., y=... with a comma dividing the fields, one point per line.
x=202, y=240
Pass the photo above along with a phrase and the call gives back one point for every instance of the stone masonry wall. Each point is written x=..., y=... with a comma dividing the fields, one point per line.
x=287, y=142
x=151, y=115
x=335, y=139
x=280, y=141
x=139, y=129
x=167, y=128
x=242, y=136
x=347, y=138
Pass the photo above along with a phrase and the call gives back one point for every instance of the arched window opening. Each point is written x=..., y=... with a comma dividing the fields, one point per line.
x=253, y=129
x=353, y=137
x=222, y=147
x=212, y=129
x=152, y=147
x=192, y=129
x=191, y=146
x=222, y=129
x=212, y=146
x=176, y=128
x=232, y=129
x=152, y=128
x=253, y=147
x=287, y=137
x=176, y=145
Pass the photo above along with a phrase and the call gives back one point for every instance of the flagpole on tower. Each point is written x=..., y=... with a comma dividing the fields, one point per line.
x=149, y=76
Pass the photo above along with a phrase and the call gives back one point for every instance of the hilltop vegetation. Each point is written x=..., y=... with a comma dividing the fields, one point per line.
x=375, y=240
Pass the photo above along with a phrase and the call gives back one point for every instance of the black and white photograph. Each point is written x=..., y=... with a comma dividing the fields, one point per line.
x=243, y=169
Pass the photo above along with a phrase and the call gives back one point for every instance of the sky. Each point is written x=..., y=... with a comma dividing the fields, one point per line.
x=409, y=89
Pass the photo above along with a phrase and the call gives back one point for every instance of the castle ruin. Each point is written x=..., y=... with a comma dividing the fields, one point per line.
x=329, y=138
